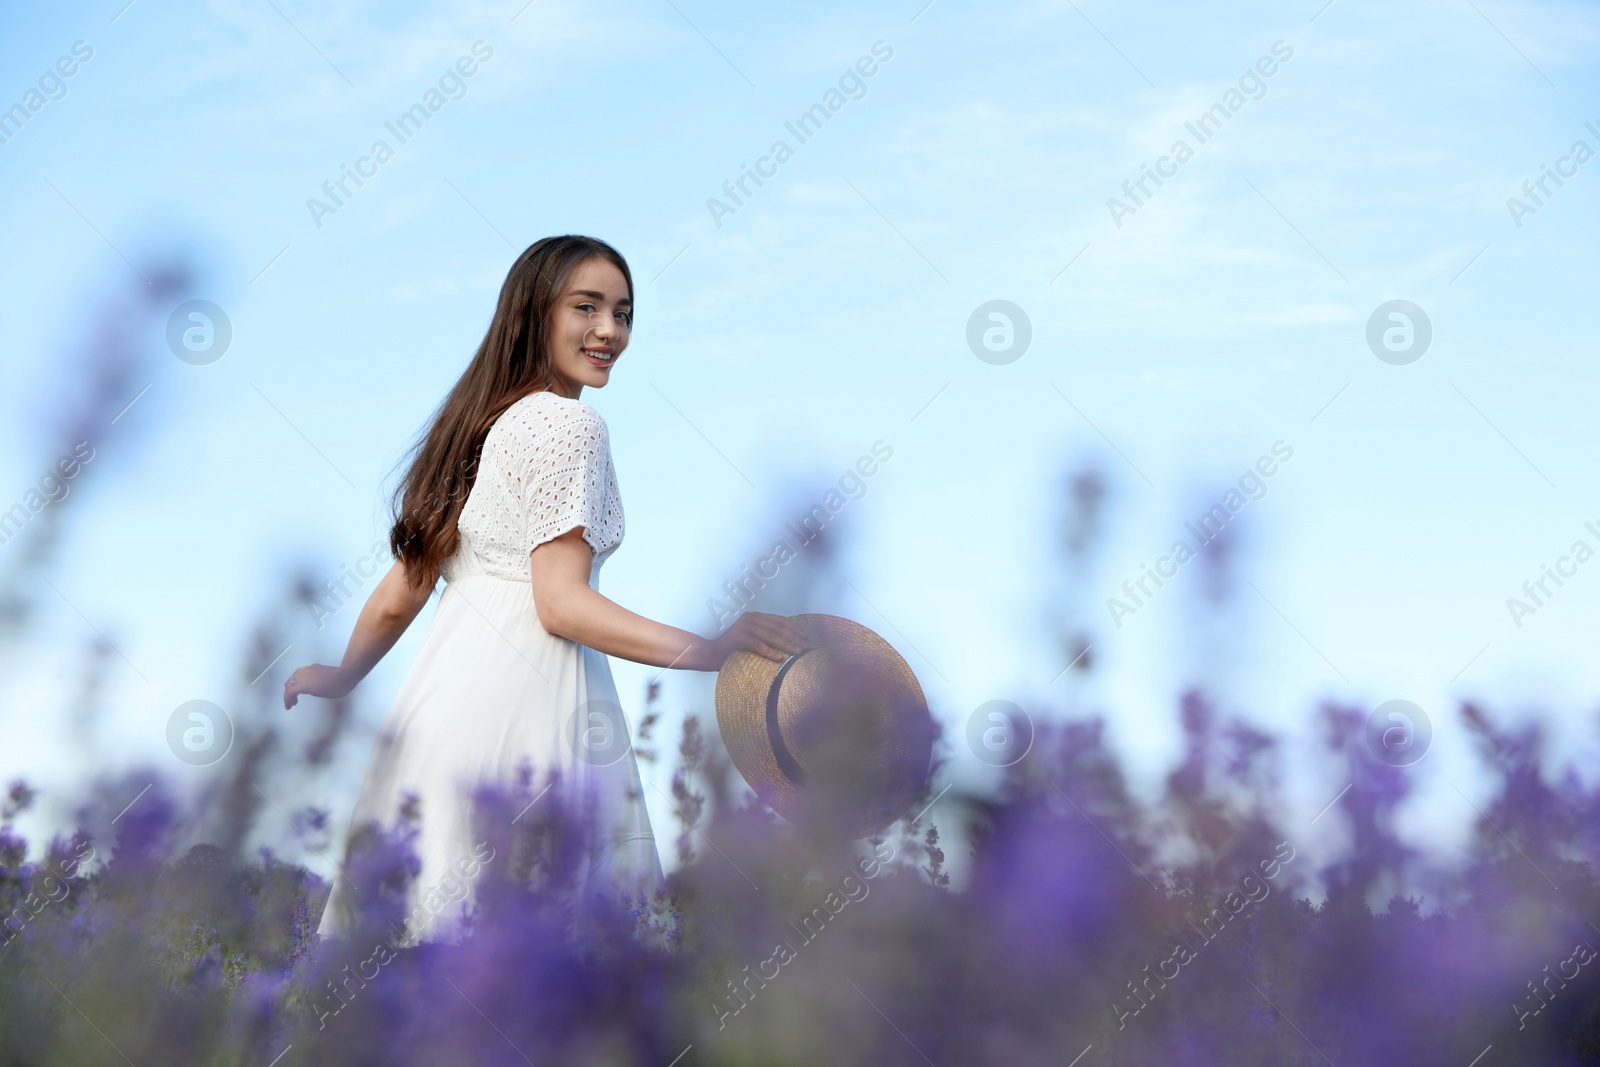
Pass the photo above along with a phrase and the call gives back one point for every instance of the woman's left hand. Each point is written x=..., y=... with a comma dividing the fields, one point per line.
x=317, y=680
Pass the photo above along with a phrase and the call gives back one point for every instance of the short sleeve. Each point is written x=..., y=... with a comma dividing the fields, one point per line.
x=568, y=480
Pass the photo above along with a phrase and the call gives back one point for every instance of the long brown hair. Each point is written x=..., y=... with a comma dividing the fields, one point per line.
x=512, y=361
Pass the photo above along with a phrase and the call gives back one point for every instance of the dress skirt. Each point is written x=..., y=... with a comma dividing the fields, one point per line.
x=491, y=691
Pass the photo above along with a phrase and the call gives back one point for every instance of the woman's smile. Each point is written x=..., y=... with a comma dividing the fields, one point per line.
x=589, y=327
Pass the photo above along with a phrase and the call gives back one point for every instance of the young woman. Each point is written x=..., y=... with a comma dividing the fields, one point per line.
x=511, y=498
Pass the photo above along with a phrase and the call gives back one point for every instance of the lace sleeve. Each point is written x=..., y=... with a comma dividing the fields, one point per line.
x=568, y=480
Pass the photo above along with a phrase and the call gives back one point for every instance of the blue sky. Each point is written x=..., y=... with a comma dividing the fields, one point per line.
x=1172, y=346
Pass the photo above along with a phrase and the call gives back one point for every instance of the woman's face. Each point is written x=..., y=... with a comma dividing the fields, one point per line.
x=589, y=327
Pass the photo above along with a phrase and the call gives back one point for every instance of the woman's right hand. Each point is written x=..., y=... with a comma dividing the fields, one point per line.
x=772, y=636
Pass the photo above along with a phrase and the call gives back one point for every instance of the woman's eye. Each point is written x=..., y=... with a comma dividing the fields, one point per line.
x=585, y=306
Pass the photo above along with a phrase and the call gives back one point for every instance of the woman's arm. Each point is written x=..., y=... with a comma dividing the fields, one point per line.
x=384, y=617
x=567, y=607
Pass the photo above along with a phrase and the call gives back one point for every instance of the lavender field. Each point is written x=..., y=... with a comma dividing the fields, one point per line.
x=1094, y=929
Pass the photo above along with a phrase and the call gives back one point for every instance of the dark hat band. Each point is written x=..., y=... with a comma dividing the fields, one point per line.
x=786, y=762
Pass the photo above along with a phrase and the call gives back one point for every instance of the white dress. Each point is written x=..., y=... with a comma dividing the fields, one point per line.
x=491, y=689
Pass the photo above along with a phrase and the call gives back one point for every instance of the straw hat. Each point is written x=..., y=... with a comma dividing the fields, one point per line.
x=836, y=738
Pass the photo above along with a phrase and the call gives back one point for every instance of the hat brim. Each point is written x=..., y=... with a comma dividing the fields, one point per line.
x=756, y=745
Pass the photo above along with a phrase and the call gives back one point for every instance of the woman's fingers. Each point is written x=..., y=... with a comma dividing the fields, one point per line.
x=779, y=648
x=787, y=635
x=770, y=631
x=780, y=632
x=771, y=637
x=294, y=687
x=757, y=635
